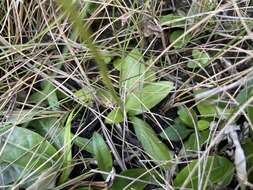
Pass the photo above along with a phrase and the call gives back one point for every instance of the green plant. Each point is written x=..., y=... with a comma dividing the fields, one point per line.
x=125, y=95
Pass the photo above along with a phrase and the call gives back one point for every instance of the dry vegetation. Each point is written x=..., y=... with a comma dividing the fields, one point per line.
x=126, y=94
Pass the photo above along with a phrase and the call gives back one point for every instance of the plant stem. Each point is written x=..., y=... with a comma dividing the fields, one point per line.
x=85, y=36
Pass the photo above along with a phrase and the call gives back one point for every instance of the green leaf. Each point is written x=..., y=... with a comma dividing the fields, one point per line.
x=45, y=181
x=172, y=20
x=86, y=175
x=24, y=116
x=26, y=149
x=188, y=117
x=51, y=129
x=244, y=95
x=151, y=143
x=91, y=7
x=102, y=153
x=200, y=59
x=84, y=144
x=176, y=132
x=48, y=93
x=84, y=188
x=85, y=95
x=115, y=116
x=70, y=10
x=121, y=182
x=67, y=154
x=117, y=63
x=131, y=71
x=105, y=97
x=216, y=170
x=207, y=109
x=61, y=95
x=38, y=96
x=107, y=57
x=182, y=42
x=150, y=74
x=201, y=56
x=247, y=146
x=203, y=124
x=191, y=145
x=9, y=173
x=250, y=113
x=140, y=101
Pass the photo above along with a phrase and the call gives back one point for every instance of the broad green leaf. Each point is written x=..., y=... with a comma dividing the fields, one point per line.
x=84, y=176
x=115, y=116
x=45, y=181
x=150, y=76
x=196, y=9
x=172, y=20
x=84, y=144
x=85, y=96
x=70, y=10
x=9, y=173
x=91, y=7
x=250, y=113
x=105, y=97
x=191, y=145
x=53, y=131
x=244, y=95
x=207, y=109
x=193, y=64
x=24, y=116
x=117, y=63
x=200, y=56
x=247, y=146
x=200, y=59
x=26, y=149
x=38, y=96
x=67, y=152
x=177, y=132
x=188, y=117
x=224, y=112
x=151, y=143
x=122, y=183
x=107, y=57
x=132, y=71
x=148, y=97
x=88, y=9
x=216, y=170
x=50, y=91
x=84, y=188
x=180, y=43
x=203, y=124
x=102, y=153
x=213, y=106
x=61, y=95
